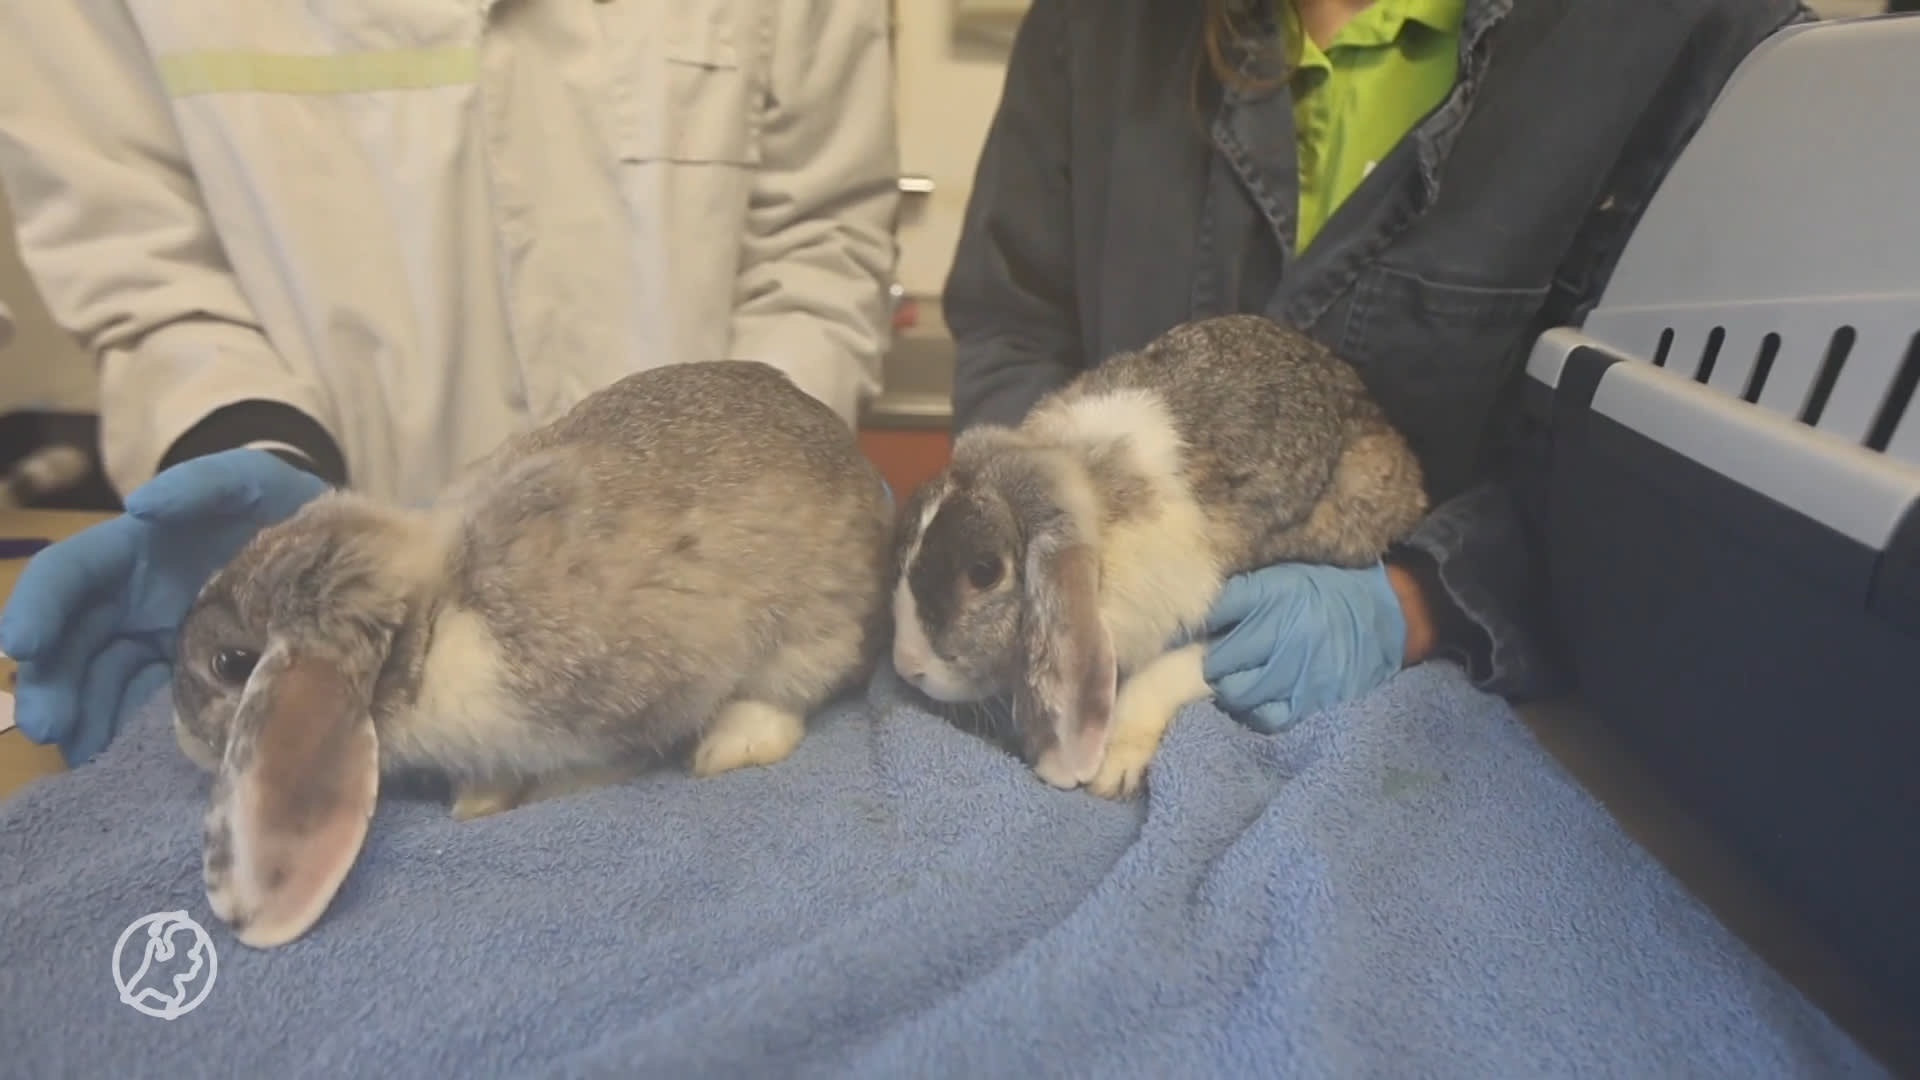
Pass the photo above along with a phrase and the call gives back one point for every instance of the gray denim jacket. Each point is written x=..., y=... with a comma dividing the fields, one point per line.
x=1116, y=197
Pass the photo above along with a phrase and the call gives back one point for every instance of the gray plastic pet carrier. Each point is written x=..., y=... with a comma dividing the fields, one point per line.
x=1735, y=507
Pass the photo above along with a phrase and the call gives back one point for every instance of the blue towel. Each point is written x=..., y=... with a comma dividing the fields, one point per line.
x=1405, y=886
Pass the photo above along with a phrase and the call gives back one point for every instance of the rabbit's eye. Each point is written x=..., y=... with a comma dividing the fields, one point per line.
x=234, y=665
x=984, y=574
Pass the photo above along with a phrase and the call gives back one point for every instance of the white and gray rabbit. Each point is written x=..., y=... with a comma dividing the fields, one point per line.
x=694, y=558
x=1060, y=563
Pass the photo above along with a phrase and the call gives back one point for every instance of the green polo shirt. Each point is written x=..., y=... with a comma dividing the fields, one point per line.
x=1384, y=71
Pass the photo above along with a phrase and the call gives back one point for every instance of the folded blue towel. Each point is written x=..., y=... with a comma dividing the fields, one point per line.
x=1405, y=886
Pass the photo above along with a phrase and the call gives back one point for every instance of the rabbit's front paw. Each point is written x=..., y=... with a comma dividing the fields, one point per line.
x=747, y=733
x=1123, y=771
x=1142, y=710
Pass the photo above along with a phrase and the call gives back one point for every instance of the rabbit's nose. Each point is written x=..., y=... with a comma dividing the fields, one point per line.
x=917, y=676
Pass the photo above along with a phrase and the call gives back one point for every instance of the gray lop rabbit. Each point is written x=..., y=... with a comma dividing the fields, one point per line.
x=1054, y=560
x=695, y=557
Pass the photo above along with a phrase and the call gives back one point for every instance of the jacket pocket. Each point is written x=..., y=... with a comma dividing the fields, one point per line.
x=705, y=111
x=1437, y=355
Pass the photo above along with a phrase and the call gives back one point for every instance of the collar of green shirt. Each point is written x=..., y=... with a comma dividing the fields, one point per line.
x=1379, y=23
x=1357, y=97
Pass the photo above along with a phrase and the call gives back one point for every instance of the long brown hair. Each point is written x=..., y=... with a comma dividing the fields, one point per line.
x=1239, y=47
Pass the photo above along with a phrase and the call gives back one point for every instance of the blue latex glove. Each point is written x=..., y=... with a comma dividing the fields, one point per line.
x=93, y=618
x=1292, y=639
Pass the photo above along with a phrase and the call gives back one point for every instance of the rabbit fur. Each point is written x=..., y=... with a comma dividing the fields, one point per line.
x=1059, y=565
x=696, y=556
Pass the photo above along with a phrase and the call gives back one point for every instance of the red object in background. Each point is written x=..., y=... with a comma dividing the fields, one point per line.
x=906, y=314
x=906, y=458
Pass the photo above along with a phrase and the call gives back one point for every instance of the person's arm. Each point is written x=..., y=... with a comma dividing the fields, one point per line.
x=112, y=230
x=1473, y=587
x=1472, y=580
x=812, y=296
x=1009, y=298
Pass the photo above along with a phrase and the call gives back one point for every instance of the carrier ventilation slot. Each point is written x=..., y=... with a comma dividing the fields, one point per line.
x=1837, y=349
x=1666, y=345
x=1762, y=367
x=1710, y=354
x=1899, y=396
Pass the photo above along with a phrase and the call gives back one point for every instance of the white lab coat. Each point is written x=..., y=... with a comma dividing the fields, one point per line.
x=431, y=223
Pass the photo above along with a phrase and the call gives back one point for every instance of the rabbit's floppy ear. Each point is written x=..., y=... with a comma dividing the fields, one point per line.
x=1065, y=700
x=292, y=797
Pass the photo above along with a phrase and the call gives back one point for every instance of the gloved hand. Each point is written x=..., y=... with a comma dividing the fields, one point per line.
x=93, y=618
x=1291, y=639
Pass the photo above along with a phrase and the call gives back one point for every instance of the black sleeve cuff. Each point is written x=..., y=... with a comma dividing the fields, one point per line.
x=1456, y=636
x=246, y=422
